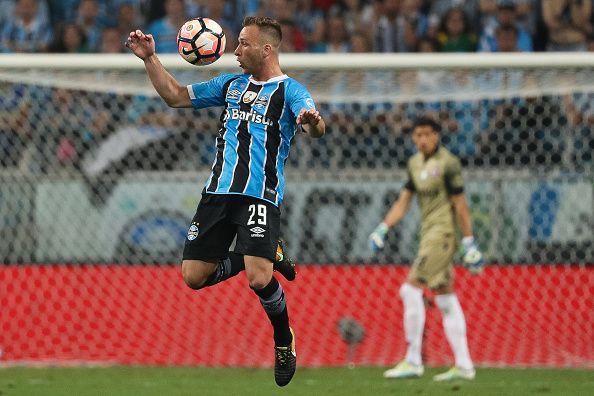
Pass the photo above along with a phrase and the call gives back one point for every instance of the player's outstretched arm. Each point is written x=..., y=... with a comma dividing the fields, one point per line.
x=312, y=122
x=473, y=258
x=173, y=93
x=394, y=215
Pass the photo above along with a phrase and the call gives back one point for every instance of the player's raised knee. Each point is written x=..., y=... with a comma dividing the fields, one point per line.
x=194, y=274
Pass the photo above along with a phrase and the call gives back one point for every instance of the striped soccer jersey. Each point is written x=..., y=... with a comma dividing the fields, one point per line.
x=258, y=125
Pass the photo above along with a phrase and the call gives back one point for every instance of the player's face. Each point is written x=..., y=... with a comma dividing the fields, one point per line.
x=249, y=50
x=426, y=139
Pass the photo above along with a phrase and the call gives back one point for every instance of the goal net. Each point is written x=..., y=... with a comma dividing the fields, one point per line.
x=99, y=180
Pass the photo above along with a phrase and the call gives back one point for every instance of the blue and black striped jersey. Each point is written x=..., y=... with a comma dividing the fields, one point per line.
x=258, y=125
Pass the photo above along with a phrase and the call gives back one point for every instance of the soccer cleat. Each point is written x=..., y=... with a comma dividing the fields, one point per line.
x=285, y=362
x=283, y=263
x=454, y=374
x=404, y=370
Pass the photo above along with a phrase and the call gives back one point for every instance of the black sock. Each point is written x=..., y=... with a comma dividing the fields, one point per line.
x=273, y=300
x=226, y=269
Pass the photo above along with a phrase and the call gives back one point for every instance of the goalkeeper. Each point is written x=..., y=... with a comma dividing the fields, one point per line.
x=434, y=174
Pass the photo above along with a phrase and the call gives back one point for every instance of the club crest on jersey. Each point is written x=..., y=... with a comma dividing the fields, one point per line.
x=249, y=96
x=193, y=232
x=261, y=102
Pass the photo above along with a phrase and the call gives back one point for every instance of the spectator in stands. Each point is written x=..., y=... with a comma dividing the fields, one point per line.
x=312, y=24
x=412, y=25
x=527, y=12
x=568, y=23
x=359, y=42
x=505, y=16
x=426, y=44
x=88, y=18
x=293, y=39
x=15, y=124
x=128, y=18
x=26, y=31
x=579, y=110
x=440, y=7
x=337, y=38
x=70, y=38
x=352, y=13
x=506, y=39
x=525, y=132
x=455, y=34
x=8, y=7
x=385, y=26
x=164, y=30
x=111, y=41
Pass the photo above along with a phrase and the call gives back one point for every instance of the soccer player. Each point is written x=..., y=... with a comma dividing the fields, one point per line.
x=434, y=174
x=263, y=108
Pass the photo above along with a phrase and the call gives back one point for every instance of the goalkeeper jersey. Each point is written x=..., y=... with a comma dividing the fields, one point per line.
x=258, y=123
x=434, y=179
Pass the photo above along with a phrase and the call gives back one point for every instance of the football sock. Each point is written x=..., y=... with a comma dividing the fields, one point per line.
x=227, y=268
x=273, y=300
x=414, y=322
x=454, y=325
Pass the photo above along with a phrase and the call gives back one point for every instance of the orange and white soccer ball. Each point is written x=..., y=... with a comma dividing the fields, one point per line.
x=201, y=41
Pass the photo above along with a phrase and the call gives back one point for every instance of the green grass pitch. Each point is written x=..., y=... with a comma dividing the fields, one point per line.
x=365, y=381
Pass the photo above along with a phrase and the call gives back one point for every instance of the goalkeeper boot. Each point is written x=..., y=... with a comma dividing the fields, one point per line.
x=283, y=263
x=455, y=373
x=285, y=362
x=404, y=370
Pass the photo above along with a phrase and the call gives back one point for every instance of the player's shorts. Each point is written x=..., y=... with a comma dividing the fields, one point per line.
x=433, y=266
x=220, y=218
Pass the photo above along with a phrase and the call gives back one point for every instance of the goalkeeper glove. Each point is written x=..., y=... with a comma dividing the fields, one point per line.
x=377, y=237
x=473, y=259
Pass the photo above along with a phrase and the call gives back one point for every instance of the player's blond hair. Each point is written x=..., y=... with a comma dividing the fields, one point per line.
x=268, y=26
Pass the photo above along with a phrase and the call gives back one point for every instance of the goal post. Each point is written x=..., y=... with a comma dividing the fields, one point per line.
x=99, y=180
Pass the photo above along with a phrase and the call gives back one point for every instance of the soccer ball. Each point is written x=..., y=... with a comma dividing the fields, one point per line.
x=201, y=41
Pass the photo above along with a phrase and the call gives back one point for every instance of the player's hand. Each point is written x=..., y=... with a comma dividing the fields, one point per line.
x=142, y=45
x=473, y=258
x=377, y=237
x=309, y=117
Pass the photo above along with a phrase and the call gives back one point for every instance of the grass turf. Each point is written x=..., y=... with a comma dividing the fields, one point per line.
x=366, y=381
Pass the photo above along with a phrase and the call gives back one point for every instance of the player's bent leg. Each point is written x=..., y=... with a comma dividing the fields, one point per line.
x=272, y=298
x=196, y=272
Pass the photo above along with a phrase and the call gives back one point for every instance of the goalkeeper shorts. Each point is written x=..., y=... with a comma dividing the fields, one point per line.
x=433, y=264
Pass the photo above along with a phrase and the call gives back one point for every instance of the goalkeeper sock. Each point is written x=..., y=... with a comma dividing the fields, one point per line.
x=272, y=298
x=454, y=325
x=414, y=322
x=226, y=269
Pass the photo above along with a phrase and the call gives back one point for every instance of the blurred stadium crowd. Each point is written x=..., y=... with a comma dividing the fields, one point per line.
x=80, y=26
x=43, y=129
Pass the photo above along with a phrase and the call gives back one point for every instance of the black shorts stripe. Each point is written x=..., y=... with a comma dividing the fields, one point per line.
x=273, y=139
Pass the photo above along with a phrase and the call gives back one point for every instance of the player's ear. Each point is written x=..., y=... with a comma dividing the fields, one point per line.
x=267, y=48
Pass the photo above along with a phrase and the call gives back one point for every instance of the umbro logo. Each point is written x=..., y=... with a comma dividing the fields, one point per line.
x=233, y=94
x=257, y=232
